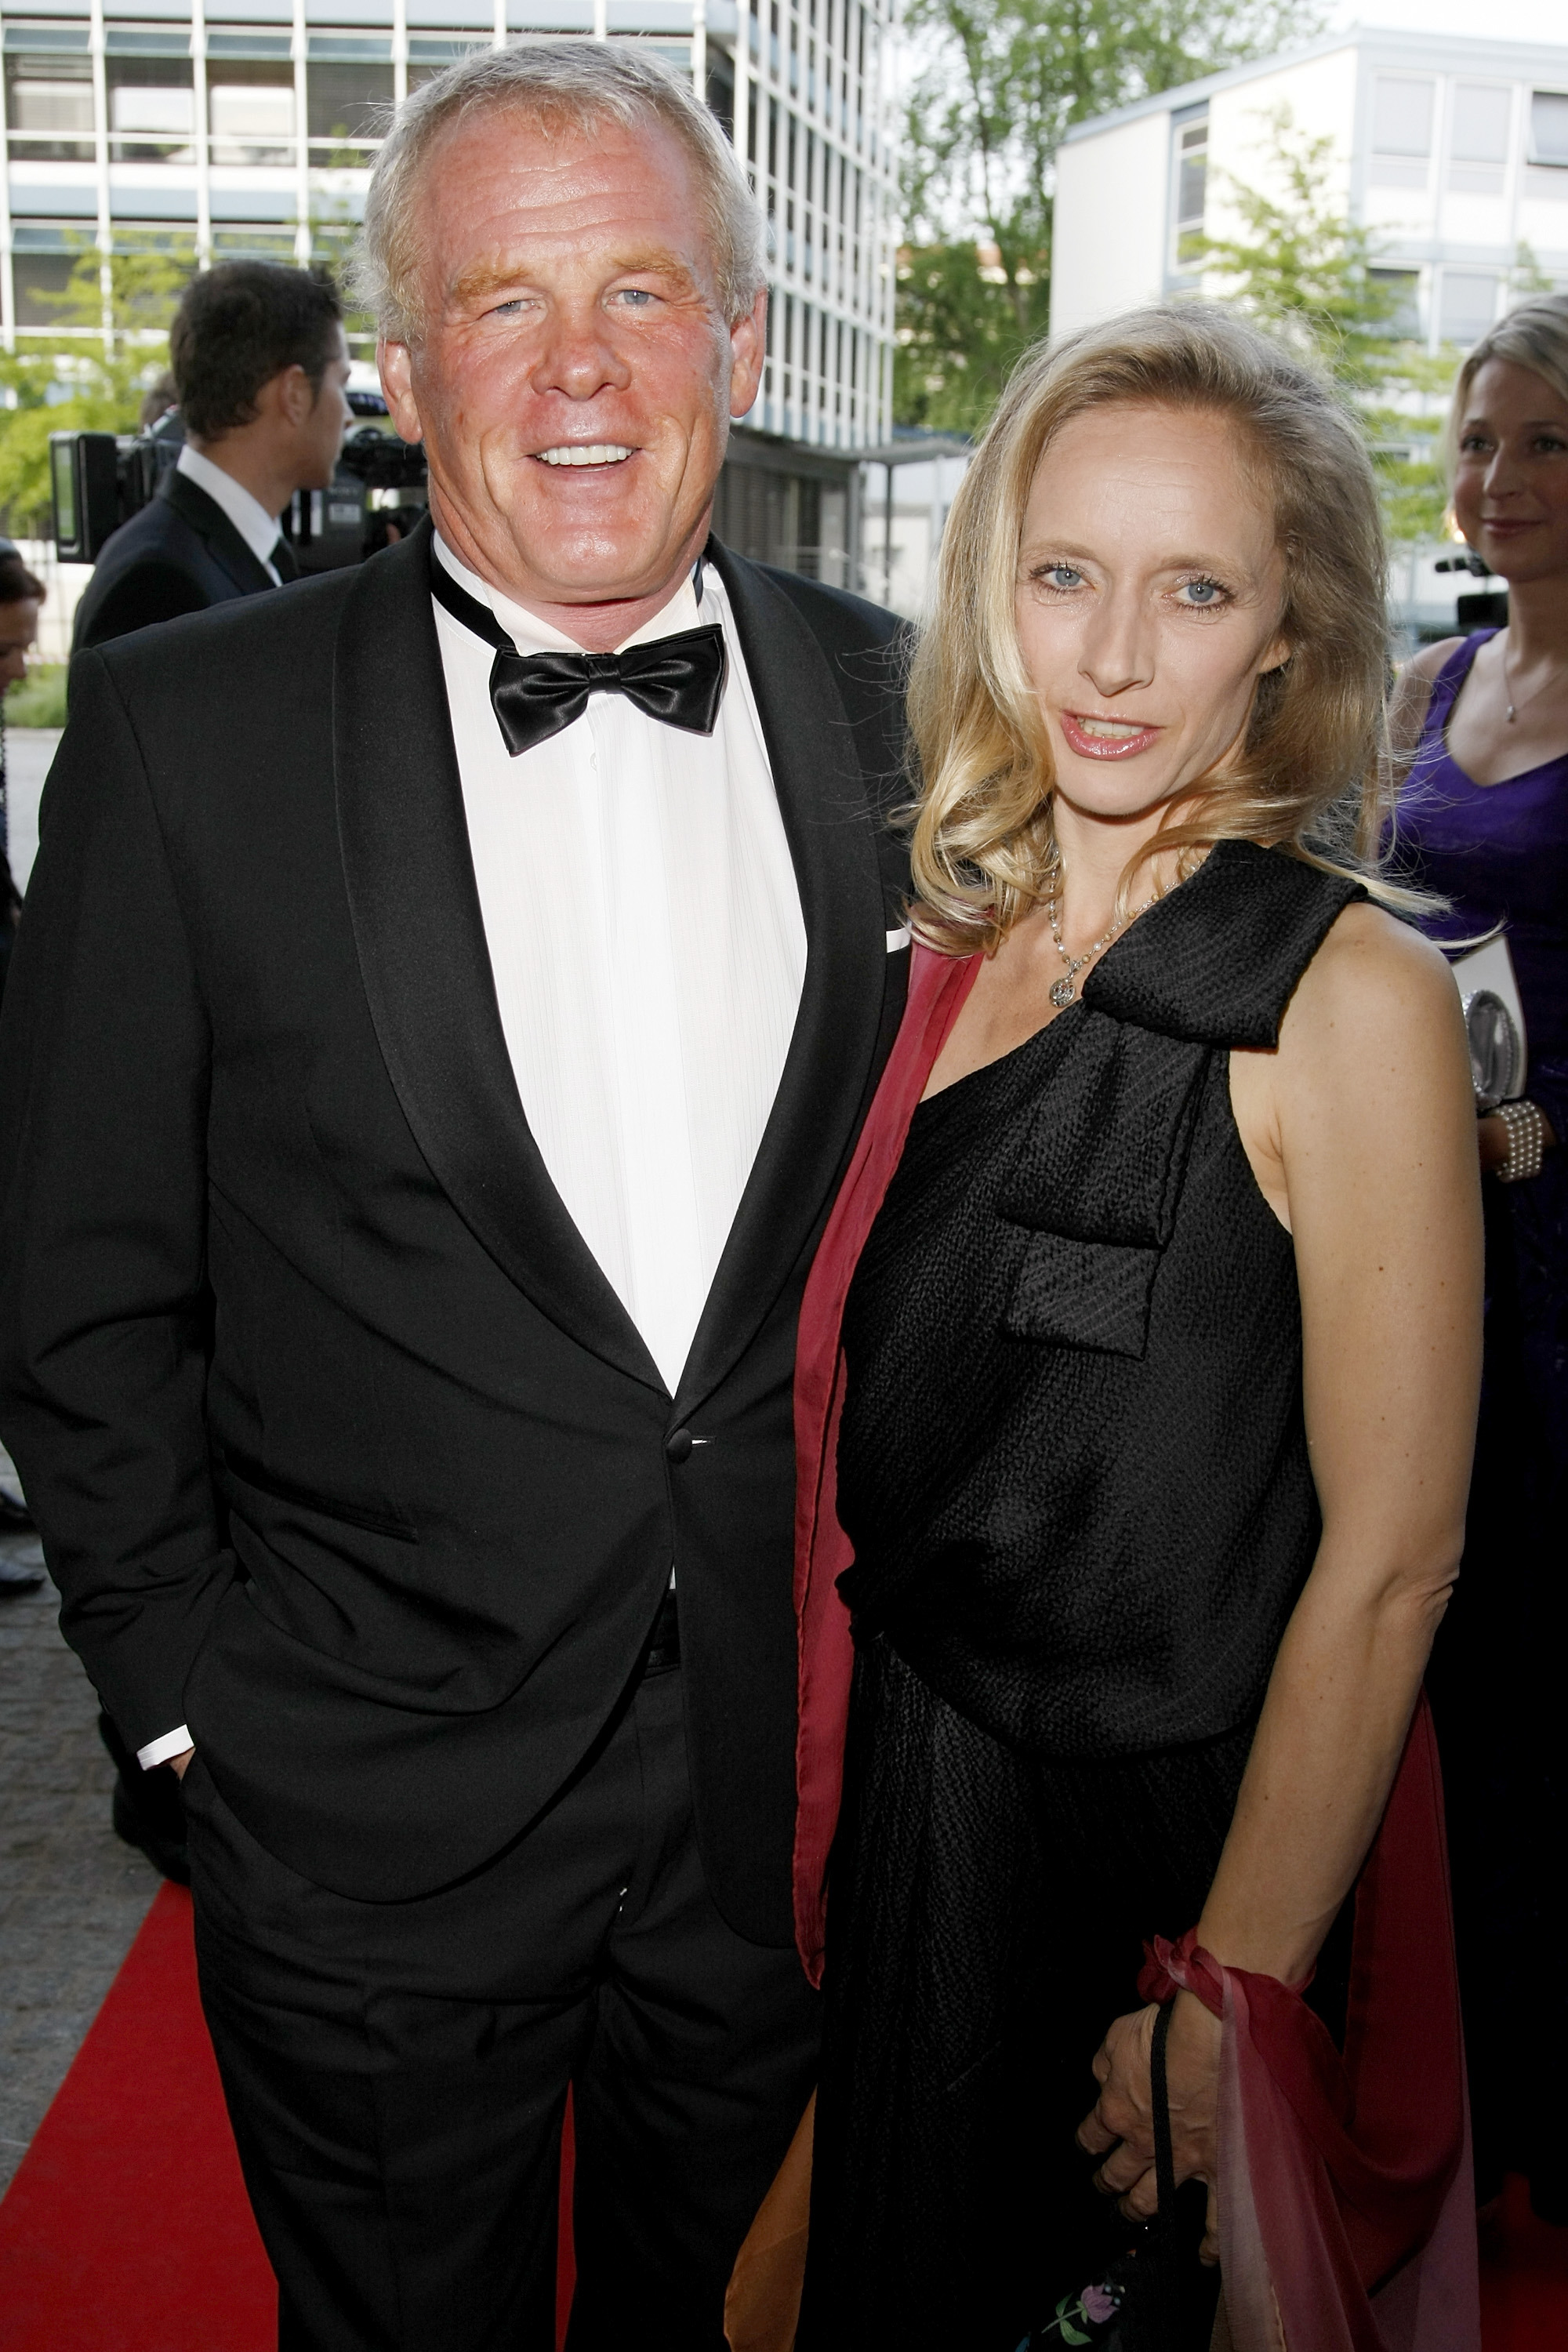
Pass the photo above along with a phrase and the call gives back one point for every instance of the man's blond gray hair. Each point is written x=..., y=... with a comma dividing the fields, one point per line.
x=566, y=84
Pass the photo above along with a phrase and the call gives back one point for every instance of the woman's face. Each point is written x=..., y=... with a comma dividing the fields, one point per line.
x=18, y=629
x=1510, y=485
x=1149, y=597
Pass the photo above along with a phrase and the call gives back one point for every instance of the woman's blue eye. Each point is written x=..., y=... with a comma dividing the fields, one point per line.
x=1059, y=575
x=1204, y=593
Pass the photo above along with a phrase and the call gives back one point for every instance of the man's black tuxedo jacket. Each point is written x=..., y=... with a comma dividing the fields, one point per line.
x=180, y=555
x=344, y=1450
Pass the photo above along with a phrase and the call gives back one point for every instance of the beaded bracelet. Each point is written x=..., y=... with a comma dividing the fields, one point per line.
x=1526, y=1127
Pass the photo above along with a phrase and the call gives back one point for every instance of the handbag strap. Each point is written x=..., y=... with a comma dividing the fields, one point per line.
x=1164, y=2157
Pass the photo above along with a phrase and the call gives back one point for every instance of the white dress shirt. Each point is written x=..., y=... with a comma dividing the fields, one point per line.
x=249, y=517
x=646, y=936
x=648, y=952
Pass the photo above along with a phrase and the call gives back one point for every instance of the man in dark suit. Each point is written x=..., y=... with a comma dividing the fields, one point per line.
x=260, y=369
x=432, y=1048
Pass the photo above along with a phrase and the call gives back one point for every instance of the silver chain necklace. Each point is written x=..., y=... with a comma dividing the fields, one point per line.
x=1063, y=992
x=1508, y=687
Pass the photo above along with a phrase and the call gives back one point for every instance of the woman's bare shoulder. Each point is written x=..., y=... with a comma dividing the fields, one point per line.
x=1430, y=660
x=1375, y=991
x=1413, y=691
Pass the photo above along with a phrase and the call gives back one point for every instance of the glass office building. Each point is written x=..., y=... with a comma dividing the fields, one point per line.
x=221, y=128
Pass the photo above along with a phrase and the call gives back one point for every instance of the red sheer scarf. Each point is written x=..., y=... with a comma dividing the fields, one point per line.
x=1346, y=2207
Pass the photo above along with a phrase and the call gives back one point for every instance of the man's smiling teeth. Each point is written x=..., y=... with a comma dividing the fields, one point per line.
x=596, y=453
x=1115, y=731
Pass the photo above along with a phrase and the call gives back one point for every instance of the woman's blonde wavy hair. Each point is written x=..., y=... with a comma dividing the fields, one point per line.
x=1313, y=777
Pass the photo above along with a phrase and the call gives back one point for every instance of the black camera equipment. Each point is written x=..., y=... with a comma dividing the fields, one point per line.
x=99, y=480
x=380, y=479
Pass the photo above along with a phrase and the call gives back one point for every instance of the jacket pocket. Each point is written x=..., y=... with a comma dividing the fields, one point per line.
x=1083, y=1294
x=239, y=1470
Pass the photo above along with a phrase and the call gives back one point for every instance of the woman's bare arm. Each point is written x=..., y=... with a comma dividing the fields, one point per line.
x=1361, y=1130
x=1368, y=1113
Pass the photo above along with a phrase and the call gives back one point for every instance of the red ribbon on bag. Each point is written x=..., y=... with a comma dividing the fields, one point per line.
x=1346, y=2198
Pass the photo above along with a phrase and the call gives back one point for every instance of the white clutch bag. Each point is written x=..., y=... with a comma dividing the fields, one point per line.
x=1494, y=1023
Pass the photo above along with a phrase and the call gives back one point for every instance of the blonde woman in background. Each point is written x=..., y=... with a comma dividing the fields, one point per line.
x=1483, y=820
x=1156, y=1363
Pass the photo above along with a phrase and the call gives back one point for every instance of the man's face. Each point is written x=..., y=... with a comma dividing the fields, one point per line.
x=575, y=377
x=18, y=631
x=322, y=427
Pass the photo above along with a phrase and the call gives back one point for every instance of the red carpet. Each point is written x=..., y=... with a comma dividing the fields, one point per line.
x=127, y=2229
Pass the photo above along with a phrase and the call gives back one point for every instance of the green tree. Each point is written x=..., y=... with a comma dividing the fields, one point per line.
x=335, y=231
x=962, y=319
x=1002, y=81
x=120, y=307
x=1303, y=268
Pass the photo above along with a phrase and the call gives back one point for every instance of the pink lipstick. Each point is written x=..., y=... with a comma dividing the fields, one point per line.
x=1104, y=747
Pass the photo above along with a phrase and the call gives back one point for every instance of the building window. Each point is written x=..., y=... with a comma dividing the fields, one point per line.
x=1468, y=306
x=1403, y=289
x=251, y=109
x=1401, y=131
x=1478, y=147
x=242, y=241
x=152, y=108
x=1189, y=193
x=427, y=56
x=48, y=105
x=1549, y=127
x=44, y=255
x=348, y=104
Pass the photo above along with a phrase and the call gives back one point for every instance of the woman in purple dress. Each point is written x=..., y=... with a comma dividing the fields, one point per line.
x=1484, y=820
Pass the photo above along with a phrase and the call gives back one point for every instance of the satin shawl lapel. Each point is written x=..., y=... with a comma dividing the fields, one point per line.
x=825, y=803
x=426, y=970
x=219, y=535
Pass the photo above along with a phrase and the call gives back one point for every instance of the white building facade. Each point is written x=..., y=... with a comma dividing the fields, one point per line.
x=221, y=128
x=1452, y=152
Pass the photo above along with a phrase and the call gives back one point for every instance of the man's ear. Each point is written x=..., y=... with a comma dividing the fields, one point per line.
x=748, y=351
x=294, y=394
x=396, y=365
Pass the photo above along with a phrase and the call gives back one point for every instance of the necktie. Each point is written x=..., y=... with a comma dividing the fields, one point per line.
x=680, y=679
x=283, y=559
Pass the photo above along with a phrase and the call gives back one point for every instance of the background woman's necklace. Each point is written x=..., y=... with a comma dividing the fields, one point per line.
x=1063, y=992
x=1508, y=687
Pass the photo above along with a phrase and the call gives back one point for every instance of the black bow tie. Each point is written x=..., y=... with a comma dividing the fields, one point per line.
x=679, y=680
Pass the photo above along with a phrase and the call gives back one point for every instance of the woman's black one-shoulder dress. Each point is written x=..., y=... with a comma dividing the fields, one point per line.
x=1074, y=1471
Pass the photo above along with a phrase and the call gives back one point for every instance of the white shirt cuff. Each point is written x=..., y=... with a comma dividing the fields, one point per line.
x=158, y=1751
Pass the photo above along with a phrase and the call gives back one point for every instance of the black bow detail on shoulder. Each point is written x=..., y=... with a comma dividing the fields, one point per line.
x=679, y=679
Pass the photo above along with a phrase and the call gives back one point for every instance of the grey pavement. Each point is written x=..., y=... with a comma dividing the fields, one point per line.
x=71, y=1896
x=28, y=751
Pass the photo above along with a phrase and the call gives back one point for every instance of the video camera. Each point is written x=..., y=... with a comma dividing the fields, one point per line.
x=99, y=480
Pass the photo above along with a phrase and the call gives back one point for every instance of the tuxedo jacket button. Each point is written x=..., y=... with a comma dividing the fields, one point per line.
x=678, y=1445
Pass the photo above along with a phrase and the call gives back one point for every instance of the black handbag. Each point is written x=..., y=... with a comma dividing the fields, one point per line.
x=1157, y=2296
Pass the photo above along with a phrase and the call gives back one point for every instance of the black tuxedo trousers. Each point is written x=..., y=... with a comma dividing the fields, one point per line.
x=343, y=1450
x=397, y=2072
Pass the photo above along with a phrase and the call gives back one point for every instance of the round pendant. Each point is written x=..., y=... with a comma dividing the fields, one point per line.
x=1063, y=994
